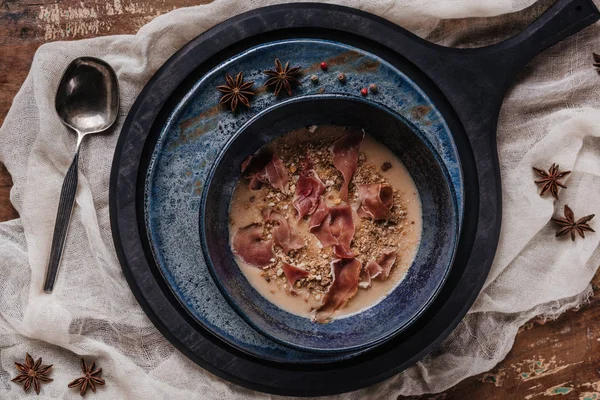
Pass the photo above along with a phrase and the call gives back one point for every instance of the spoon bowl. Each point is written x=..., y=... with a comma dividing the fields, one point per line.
x=87, y=101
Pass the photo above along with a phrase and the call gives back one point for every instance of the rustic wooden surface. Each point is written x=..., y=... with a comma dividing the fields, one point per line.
x=557, y=358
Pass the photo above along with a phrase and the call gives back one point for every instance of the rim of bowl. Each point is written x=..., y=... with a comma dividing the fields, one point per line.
x=233, y=303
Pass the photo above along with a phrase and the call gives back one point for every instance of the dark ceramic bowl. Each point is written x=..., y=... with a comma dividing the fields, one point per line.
x=423, y=280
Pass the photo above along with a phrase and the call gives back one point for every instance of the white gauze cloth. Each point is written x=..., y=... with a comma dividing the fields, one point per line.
x=552, y=114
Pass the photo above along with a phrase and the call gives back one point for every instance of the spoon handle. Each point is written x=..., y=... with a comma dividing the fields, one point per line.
x=63, y=216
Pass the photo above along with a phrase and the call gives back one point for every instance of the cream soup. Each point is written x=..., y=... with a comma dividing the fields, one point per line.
x=397, y=234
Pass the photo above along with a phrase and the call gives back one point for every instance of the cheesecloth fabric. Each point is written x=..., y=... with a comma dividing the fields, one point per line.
x=551, y=115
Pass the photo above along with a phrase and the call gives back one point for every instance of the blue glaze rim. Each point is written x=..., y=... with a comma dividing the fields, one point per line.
x=374, y=341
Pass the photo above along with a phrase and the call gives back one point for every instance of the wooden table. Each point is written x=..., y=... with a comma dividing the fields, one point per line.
x=557, y=358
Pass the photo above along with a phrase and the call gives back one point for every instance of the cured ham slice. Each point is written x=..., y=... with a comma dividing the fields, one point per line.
x=342, y=228
x=345, y=157
x=376, y=201
x=319, y=225
x=250, y=246
x=378, y=269
x=293, y=273
x=284, y=234
x=308, y=191
x=365, y=279
x=374, y=269
x=333, y=227
x=345, y=285
x=386, y=261
x=265, y=168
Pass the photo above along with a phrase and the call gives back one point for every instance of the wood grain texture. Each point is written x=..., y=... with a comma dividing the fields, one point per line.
x=7, y=211
x=549, y=358
x=557, y=358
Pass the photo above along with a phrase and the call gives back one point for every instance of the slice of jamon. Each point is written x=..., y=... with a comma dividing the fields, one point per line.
x=342, y=228
x=345, y=157
x=376, y=201
x=309, y=188
x=284, y=234
x=333, y=227
x=344, y=286
x=267, y=168
x=319, y=225
x=293, y=273
x=378, y=269
x=386, y=261
x=250, y=246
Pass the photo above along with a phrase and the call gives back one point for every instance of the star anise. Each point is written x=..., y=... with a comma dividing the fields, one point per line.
x=236, y=91
x=551, y=179
x=282, y=77
x=32, y=373
x=89, y=379
x=569, y=225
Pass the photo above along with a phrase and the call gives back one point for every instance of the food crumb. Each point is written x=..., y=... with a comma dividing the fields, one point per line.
x=386, y=166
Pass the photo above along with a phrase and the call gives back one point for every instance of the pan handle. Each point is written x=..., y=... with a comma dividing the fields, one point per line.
x=491, y=70
x=561, y=20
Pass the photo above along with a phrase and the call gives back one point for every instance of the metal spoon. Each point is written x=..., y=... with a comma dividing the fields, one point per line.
x=87, y=101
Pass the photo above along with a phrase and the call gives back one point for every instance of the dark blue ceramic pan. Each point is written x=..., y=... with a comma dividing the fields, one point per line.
x=157, y=235
x=432, y=262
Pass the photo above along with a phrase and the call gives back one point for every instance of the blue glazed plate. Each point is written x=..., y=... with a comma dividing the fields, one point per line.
x=196, y=133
